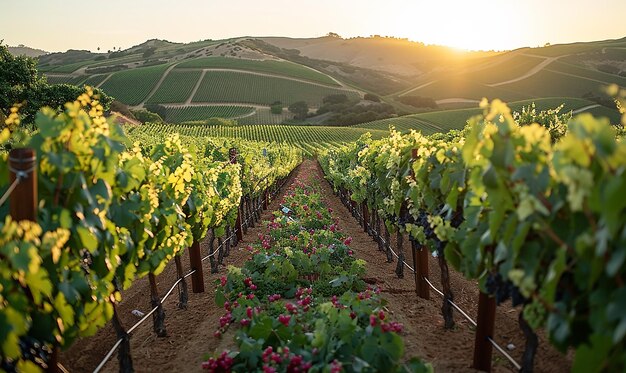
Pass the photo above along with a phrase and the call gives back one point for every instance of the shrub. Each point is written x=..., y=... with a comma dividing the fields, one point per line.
x=418, y=101
x=335, y=99
x=371, y=97
x=122, y=109
x=145, y=116
x=300, y=109
x=276, y=108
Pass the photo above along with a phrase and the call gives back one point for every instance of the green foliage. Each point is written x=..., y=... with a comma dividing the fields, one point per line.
x=204, y=113
x=239, y=87
x=20, y=83
x=157, y=108
x=355, y=112
x=122, y=109
x=108, y=214
x=133, y=86
x=339, y=98
x=147, y=52
x=284, y=68
x=298, y=302
x=445, y=120
x=300, y=109
x=94, y=80
x=371, y=97
x=555, y=123
x=176, y=88
x=308, y=138
x=276, y=108
x=368, y=79
x=535, y=218
x=418, y=101
x=145, y=116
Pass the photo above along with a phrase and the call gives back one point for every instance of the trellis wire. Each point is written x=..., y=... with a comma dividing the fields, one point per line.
x=145, y=317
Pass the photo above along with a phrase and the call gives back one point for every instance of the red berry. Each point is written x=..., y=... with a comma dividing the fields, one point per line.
x=372, y=320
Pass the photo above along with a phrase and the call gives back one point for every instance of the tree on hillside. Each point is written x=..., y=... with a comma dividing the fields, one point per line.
x=148, y=52
x=20, y=83
x=418, y=101
x=300, y=109
x=371, y=97
x=339, y=98
x=276, y=107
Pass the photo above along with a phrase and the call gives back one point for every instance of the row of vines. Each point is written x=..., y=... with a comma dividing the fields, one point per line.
x=302, y=136
x=111, y=209
x=534, y=212
x=299, y=303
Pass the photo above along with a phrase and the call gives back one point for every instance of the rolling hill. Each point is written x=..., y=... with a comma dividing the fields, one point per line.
x=391, y=55
x=571, y=70
x=445, y=120
x=198, y=77
x=194, y=80
x=22, y=50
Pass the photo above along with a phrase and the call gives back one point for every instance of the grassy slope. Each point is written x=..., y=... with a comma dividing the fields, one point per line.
x=280, y=133
x=456, y=119
x=176, y=87
x=566, y=77
x=133, y=86
x=284, y=68
x=228, y=86
x=177, y=115
x=569, y=76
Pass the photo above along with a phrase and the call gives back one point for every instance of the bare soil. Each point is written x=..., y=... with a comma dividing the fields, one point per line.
x=190, y=331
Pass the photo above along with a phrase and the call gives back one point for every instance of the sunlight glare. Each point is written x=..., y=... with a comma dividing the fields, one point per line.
x=465, y=25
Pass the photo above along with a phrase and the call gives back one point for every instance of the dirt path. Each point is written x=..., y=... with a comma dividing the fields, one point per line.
x=195, y=88
x=156, y=87
x=585, y=108
x=104, y=81
x=456, y=100
x=530, y=72
x=190, y=332
x=417, y=88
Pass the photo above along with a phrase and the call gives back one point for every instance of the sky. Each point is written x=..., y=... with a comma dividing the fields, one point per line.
x=58, y=25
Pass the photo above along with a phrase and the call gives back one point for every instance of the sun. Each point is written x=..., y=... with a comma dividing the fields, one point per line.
x=466, y=25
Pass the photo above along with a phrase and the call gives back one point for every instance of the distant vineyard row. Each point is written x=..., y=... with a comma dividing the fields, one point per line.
x=308, y=138
x=133, y=86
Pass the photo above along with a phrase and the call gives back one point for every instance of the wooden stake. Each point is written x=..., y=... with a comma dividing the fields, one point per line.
x=484, y=331
x=23, y=200
x=183, y=295
x=366, y=217
x=195, y=259
x=158, y=318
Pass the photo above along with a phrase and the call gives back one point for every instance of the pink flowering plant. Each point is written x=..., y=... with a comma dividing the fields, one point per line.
x=299, y=304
